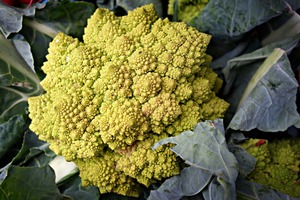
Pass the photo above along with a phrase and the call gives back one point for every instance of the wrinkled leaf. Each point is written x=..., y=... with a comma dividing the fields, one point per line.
x=228, y=18
x=253, y=191
x=29, y=183
x=205, y=147
x=269, y=101
x=190, y=181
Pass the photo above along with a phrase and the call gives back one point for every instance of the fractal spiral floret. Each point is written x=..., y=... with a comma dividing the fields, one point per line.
x=132, y=81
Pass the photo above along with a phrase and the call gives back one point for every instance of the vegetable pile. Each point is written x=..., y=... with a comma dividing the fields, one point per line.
x=179, y=99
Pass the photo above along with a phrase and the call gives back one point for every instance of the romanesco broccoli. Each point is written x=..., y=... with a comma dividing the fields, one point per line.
x=132, y=81
x=277, y=164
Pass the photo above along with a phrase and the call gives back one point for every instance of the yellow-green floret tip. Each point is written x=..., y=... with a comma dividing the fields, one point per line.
x=277, y=164
x=132, y=81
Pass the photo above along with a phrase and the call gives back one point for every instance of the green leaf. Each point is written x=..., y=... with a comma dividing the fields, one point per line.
x=269, y=101
x=29, y=183
x=11, y=132
x=31, y=148
x=246, y=162
x=253, y=191
x=239, y=71
x=190, y=181
x=73, y=189
x=228, y=18
x=18, y=81
x=205, y=147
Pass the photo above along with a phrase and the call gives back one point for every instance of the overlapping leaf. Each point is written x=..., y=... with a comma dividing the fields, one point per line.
x=205, y=147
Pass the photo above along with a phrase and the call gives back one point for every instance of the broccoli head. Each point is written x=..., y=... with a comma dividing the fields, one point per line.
x=132, y=81
x=277, y=164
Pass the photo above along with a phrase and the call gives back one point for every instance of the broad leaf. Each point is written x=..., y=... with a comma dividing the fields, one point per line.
x=18, y=81
x=239, y=71
x=253, y=191
x=31, y=148
x=246, y=161
x=269, y=101
x=29, y=183
x=11, y=132
x=214, y=191
x=10, y=20
x=228, y=18
x=73, y=189
x=205, y=147
x=190, y=181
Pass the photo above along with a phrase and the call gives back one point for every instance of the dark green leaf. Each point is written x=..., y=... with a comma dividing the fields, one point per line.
x=190, y=181
x=269, y=101
x=32, y=147
x=11, y=132
x=29, y=183
x=245, y=160
x=228, y=18
x=73, y=189
x=205, y=147
x=18, y=80
x=253, y=191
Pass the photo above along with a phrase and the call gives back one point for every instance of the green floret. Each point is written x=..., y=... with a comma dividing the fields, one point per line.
x=133, y=80
x=160, y=163
x=102, y=172
x=186, y=9
x=277, y=164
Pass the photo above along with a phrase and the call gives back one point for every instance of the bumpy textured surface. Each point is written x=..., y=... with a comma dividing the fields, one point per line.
x=277, y=164
x=132, y=81
x=186, y=10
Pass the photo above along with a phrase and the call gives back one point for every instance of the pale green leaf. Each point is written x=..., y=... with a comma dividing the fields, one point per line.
x=232, y=18
x=190, y=181
x=205, y=147
x=269, y=101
